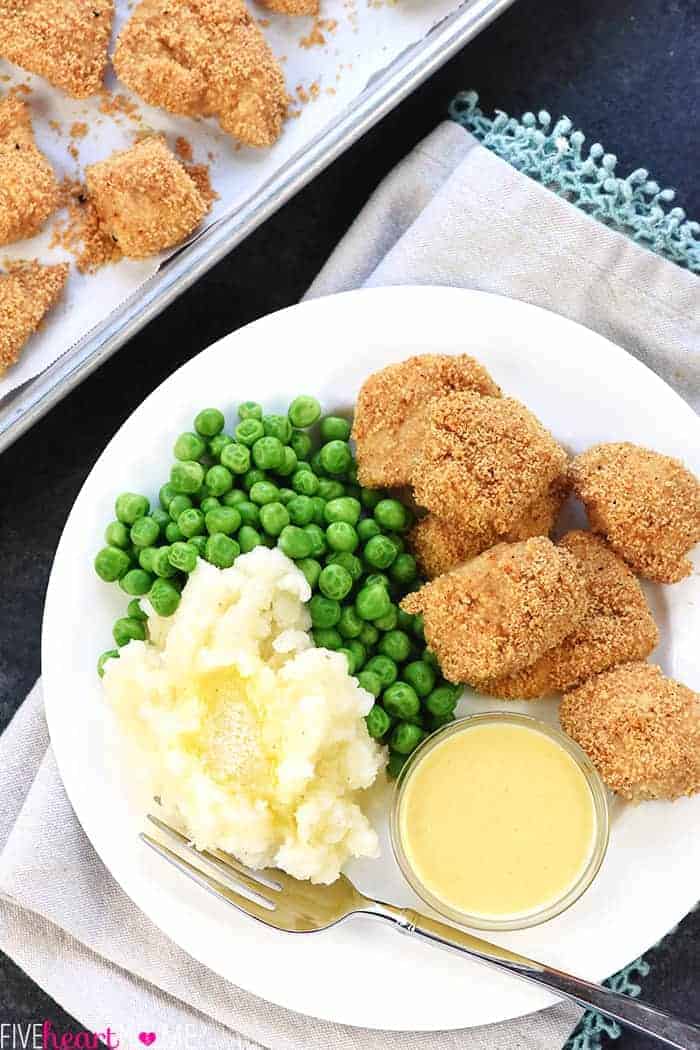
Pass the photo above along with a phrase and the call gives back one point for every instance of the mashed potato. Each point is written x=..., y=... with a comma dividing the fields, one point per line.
x=254, y=741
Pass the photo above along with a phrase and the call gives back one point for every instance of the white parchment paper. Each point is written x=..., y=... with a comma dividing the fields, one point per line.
x=360, y=38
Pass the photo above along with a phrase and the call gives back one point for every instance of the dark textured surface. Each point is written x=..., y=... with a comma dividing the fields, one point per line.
x=626, y=71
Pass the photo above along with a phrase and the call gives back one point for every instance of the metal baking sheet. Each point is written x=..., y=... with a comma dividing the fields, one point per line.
x=26, y=405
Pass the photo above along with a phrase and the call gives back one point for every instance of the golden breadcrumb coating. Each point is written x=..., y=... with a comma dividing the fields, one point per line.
x=29, y=192
x=500, y=611
x=392, y=409
x=65, y=42
x=640, y=730
x=484, y=461
x=204, y=58
x=618, y=627
x=292, y=7
x=144, y=198
x=27, y=293
x=439, y=546
x=646, y=505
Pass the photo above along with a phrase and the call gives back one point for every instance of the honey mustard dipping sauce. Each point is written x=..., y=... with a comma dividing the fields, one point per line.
x=500, y=821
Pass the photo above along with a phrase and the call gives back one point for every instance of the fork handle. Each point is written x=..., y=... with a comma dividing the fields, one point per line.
x=669, y=1030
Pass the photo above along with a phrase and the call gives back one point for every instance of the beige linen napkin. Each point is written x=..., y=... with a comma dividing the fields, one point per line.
x=451, y=213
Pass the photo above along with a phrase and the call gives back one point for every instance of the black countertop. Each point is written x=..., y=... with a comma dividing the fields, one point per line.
x=627, y=72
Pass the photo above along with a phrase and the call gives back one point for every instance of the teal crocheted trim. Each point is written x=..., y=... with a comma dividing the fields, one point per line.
x=555, y=157
x=593, y=1026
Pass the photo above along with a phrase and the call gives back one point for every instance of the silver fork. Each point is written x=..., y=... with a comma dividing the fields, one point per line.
x=287, y=904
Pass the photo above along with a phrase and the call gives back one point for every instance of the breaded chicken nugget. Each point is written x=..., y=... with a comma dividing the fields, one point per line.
x=144, y=198
x=618, y=627
x=484, y=462
x=203, y=58
x=640, y=730
x=646, y=505
x=26, y=295
x=392, y=409
x=28, y=189
x=500, y=611
x=439, y=546
x=65, y=42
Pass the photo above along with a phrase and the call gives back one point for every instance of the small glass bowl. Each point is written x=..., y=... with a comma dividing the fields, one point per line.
x=600, y=808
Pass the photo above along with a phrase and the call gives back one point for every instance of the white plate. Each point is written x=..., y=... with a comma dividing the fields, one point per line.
x=361, y=973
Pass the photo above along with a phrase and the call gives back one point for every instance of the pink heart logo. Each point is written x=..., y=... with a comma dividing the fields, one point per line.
x=147, y=1038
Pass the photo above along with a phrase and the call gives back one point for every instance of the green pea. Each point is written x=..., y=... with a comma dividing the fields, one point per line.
x=359, y=653
x=384, y=668
x=182, y=556
x=160, y=562
x=311, y=569
x=369, y=635
x=378, y=722
x=406, y=738
x=268, y=453
x=344, y=508
x=236, y=458
x=301, y=444
x=318, y=539
x=189, y=446
x=441, y=701
x=327, y=638
x=379, y=552
x=111, y=564
x=129, y=506
x=286, y=496
x=186, y=476
x=178, y=504
x=289, y=462
x=389, y=621
x=278, y=427
x=372, y=602
x=305, y=482
x=404, y=620
x=199, y=544
x=264, y=492
x=165, y=495
x=401, y=700
x=161, y=517
x=146, y=555
x=334, y=428
x=342, y=537
x=367, y=528
x=404, y=568
x=128, y=629
x=173, y=532
x=395, y=644
x=304, y=411
x=233, y=498
x=164, y=597
x=135, y=611
x=324, y=612
x=421, y=676
x=396, y=763
x=251, y=477
x=274, y=518
x=144, y=532
x=222, y=519
x=218, y=444
x=209, y=422
x=110, y=654
x=335, y=582
x=350, y=657
x=295, y=542
x=250, y=514
x=117, y=535
x=206, y=505
x=371, y=682
x=248, y=538
x=221, y=550
x=319, y=510
x=419, y=626
x=398, y=541
x=250, y=410
x=369, y=498
x=315, y=462
x=348, y=561
x=350, y=625
x=377, y=577
x=300, y=509
x=392, y=515
x=329, y=489
x=429, y=657
x=335, y=457
x=249, y=431
x=218, y=480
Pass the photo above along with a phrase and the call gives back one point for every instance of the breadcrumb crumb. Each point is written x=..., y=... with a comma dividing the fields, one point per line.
x=618, y=627
x=292, y=7
x=640, y=730
x=144, y=198
x=204, y=58
x=27, y=293
x=80, y=233
x=647, y=505
x=392, y=409
x=29, y=192
x=500, y=611
x=66, y=42
x=484, y=461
